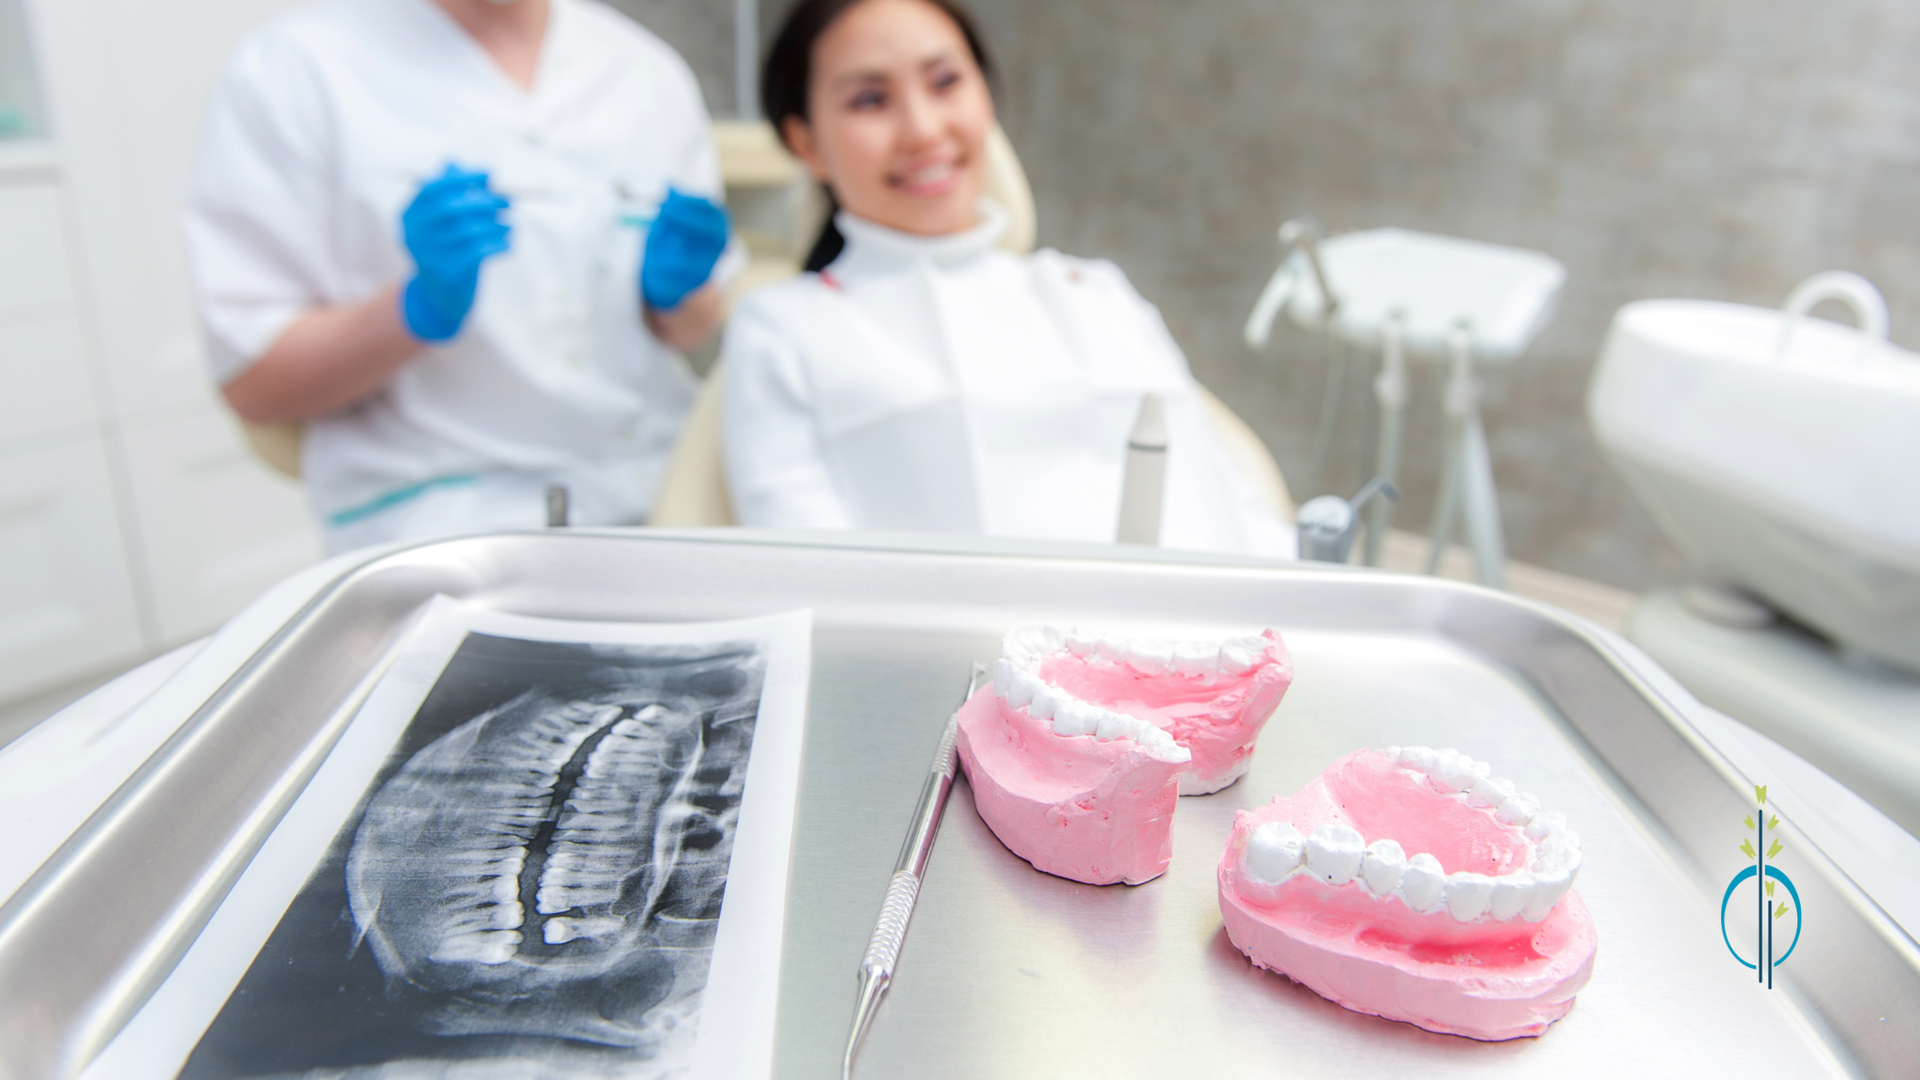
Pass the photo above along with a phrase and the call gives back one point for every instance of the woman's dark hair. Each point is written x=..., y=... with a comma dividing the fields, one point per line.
x=786, y=78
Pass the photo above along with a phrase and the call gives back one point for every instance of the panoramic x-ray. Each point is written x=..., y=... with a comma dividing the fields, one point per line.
x=535, y=875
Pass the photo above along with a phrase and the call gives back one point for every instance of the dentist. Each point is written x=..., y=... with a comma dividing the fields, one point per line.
x=465, y=242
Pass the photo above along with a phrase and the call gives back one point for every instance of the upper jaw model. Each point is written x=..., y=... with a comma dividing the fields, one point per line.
x=1078, y=751
x=1478, y=933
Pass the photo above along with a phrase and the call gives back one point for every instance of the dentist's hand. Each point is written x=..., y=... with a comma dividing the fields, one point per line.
x=686, y=240
x=452, y=226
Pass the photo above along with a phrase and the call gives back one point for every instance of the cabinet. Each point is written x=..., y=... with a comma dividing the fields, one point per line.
x=132, y=516
x=67, y=603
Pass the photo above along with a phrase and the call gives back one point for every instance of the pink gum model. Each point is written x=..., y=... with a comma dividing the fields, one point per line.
x=1479, y=934
x=1078, y=752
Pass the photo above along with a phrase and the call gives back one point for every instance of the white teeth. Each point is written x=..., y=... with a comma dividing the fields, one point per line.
x=1455, y=771
x=1491, y=791
x=561, y=931
x=1151, y=657
x=930, y=174
x=1420, y=759
x=1237, y=659
x=555, y=897
x=1423, y=885
x=1549, y=887
x=1017, y=682
x=1556, y=857
x=1385, y=861
x=1019, y=686
x=1274, y=850
x=1468, y=895
x=1334, y=853
x=1195, y=659
x=1545, y=825
x=1109, y=726
x=1076, y=718
x=1511, y=895
x=1519, y=810
x=1003, y=677
x=488, y=863
x=1078, y=642
x=1043, y=704
x=481, y=947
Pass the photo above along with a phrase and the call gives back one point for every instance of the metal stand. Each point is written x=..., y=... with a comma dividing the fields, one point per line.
x=1404, y=294
x=1466, y=472
x=1390, y=390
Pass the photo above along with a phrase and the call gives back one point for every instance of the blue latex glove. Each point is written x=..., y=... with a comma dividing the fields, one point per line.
x=451, y=227
x=686, y=240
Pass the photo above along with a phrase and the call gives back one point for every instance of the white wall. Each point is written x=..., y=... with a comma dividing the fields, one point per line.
x=132, y=516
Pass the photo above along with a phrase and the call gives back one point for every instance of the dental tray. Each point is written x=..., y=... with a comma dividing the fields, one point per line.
x=1008, y=972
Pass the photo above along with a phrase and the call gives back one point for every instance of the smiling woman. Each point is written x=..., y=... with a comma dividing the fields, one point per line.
x=918, y=377
x=903, y=110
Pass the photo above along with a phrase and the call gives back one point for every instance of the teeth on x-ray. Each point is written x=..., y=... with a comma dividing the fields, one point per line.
x=556, y=866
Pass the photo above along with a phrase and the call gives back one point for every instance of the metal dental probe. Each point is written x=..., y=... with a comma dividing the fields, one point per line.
x=876, y=970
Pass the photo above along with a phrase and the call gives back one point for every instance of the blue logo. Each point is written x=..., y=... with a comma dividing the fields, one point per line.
x=1765, y=875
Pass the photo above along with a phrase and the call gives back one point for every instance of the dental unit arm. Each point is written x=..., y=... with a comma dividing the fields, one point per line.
x=1302, y=234
x=1328, y=523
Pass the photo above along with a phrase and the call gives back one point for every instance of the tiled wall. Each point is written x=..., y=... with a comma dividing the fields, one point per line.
x=1711, y=149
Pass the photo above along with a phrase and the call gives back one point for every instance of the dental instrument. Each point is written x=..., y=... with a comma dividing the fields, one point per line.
x=1405, y=293
x=1303, y=234
x=883, y=950
x=1143, y=489
x=1327, y=523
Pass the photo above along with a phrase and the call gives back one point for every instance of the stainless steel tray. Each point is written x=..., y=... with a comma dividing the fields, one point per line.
x=1008, y=972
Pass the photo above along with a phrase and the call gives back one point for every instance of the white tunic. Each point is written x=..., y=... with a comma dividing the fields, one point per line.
x=322, y=130
x=945, y=385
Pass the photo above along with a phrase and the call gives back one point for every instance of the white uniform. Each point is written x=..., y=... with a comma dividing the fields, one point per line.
x=320, y=134
x=942, y=384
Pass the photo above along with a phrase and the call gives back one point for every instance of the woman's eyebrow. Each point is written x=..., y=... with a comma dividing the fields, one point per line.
x=854, y=78
x=868, y=75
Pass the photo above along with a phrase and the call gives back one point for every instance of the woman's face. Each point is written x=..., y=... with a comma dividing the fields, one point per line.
x=900, y=115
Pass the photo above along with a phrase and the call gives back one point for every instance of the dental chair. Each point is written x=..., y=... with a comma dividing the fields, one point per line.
x=693, y=491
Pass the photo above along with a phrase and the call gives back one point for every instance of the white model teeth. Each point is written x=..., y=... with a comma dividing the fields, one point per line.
x=1424, y=884
x=1383, y=866
x=1334, y=853
x=1072, y=716
x=1016, y=678
x=1274, y=851
x=1337, y=855
x=1468, y=895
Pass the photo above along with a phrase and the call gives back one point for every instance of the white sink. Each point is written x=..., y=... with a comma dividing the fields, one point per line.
x=1780, y=453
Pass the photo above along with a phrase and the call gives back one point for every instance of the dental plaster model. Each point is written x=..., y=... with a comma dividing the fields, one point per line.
x=1078, y=751
x=1478, y=934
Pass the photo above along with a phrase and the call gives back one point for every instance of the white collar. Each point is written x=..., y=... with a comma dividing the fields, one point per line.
x=875, y=248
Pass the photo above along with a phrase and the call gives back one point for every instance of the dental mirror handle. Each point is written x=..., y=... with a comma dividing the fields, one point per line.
x=883, y=949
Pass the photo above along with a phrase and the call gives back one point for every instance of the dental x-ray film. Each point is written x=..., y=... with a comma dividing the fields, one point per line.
x=567, y=861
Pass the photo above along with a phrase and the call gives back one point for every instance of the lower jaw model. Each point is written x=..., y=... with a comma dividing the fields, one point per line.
x=1080, y=749
x=1478, y=934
